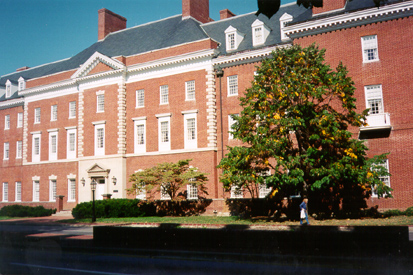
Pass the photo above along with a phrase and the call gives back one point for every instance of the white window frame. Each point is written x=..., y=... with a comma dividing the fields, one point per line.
x=192, y=192
x=71, y=148
x=141, y=193
x=19, y=149
x=385, y=179
x=52, y=188
x=138, y=147
x=369, y=43
x=164, y=145
x=164, y=195
x=22, y=84
x=190, y=139
x=8, y=89
x=100, y=101
x=7, y=122
x=72, y=109
x=164, y=94
x=236, y=192
x=232, y=85
x=18, y=193
x=374, y=93
x=140, y=98
x=19, y=120
x=53, y=112
x=71, y=189
x=5, y=192
x=260, y=33
x=6, y=154
x=36, y=190
x=284, y=19
x=231, y=122
x=190, y=90
x=37, y=114
x=36, y=152
x=233, y=38
x=99, y=146
x=53, y=145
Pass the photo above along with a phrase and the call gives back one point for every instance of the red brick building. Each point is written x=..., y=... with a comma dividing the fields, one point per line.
x=127, y=102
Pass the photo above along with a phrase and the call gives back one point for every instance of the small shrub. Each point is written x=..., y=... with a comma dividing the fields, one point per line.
x=392, y=213
x=409, y=211
x=25, y=211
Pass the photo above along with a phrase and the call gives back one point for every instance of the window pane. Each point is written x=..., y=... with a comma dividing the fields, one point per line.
x=164, y=94
x=140, y=98
x=164, y=131
x=191, y=128
x=72, y=109
x=140, y=131
x=54, y=113
x=100, y=138
x=18, y=191
x=233, y=85
x=72, y=142
x=72, y=190
x=53, y=144
x=101, y=103
x=190, y=90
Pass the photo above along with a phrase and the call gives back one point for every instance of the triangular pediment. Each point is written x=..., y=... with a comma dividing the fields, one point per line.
x=98, y=63
x=96, y=168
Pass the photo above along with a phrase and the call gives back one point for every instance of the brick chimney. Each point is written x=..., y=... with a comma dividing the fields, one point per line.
x=198, y=9
x=109, y=22
x=223, y=14
x=330, y=5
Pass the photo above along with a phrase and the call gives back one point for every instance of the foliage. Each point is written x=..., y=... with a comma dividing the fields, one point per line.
x=25, y=211
x=114, y=208
x=295, y=122
x=170, y=179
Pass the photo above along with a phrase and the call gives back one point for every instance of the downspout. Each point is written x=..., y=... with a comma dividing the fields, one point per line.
x=220, y=73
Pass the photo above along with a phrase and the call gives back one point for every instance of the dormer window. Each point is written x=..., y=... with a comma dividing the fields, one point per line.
x=260, y=33
x=22, y=84
x=233, y=38
x=8, y=88
x=284, y=19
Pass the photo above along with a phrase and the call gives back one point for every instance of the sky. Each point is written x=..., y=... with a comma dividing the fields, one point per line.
x=36, y=32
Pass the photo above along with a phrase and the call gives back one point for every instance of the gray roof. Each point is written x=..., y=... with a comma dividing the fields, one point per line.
x=216, y=30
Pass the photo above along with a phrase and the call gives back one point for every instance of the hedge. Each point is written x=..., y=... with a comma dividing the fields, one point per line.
x=25, y=211
x=114, y=208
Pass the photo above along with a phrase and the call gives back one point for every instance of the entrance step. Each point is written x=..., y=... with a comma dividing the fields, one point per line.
x=63, y=213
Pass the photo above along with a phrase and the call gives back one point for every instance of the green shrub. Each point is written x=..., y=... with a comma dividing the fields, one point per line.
x=25, y=211
x=114, y=208
x=409, y=211
x=392, y=213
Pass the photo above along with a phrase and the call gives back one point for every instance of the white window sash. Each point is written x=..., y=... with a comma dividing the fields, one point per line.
x=53, y=113
x=19, y=149
x=36, y=190
x=36, y=147
x=52, y=190
x=232, y=85
x=140, y=136
x=7, y=122
x=71, y=190
x=190, y=90
x=164, y=94
x=72, y=109
x=18, y=191
x=6, y=154
x=190, y=131
x=19, y=120
x=370, y=48
x=37, y=115
x=100, y=140
x=164, y=132
x=100, y=99
x=140, y=98
x=5, y=191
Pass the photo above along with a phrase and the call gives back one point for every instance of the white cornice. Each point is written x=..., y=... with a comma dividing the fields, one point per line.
x=173, y=60
x=245, y=55
x=11, y=102
x=53, y=86
x=348, y=17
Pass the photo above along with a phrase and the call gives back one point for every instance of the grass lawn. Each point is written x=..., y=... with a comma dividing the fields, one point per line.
x=397, y=220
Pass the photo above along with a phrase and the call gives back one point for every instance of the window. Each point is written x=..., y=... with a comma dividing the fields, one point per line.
x=36, y=147
x=370, y=48
x=190, y=90
x=8, y=88
x=231, y=122
x=100, y=139
x=19, y=120
x=164, y=93
x=100, y=103
x=19, y=149
x=18, y=191
x=232, y=85
x=384, y=179
x=192, y=192
x=164, y=194
x=374, y=99
x=36, y=190
x=6, y=154
x=71, y=143
x=52, y=190
x=140, y=98
x=140, y=137
x=53, y=113
x=72, y=109
x=37, y=115
x=263, y=189
x=5, y=191
x=236, y=192
x=72, y=190
x=7, y=122
x=190, y=134
x=141, y=193
x=284, y=19
x=53, y=144
x=22, y=84
x=164, y=132
x=233, y=38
